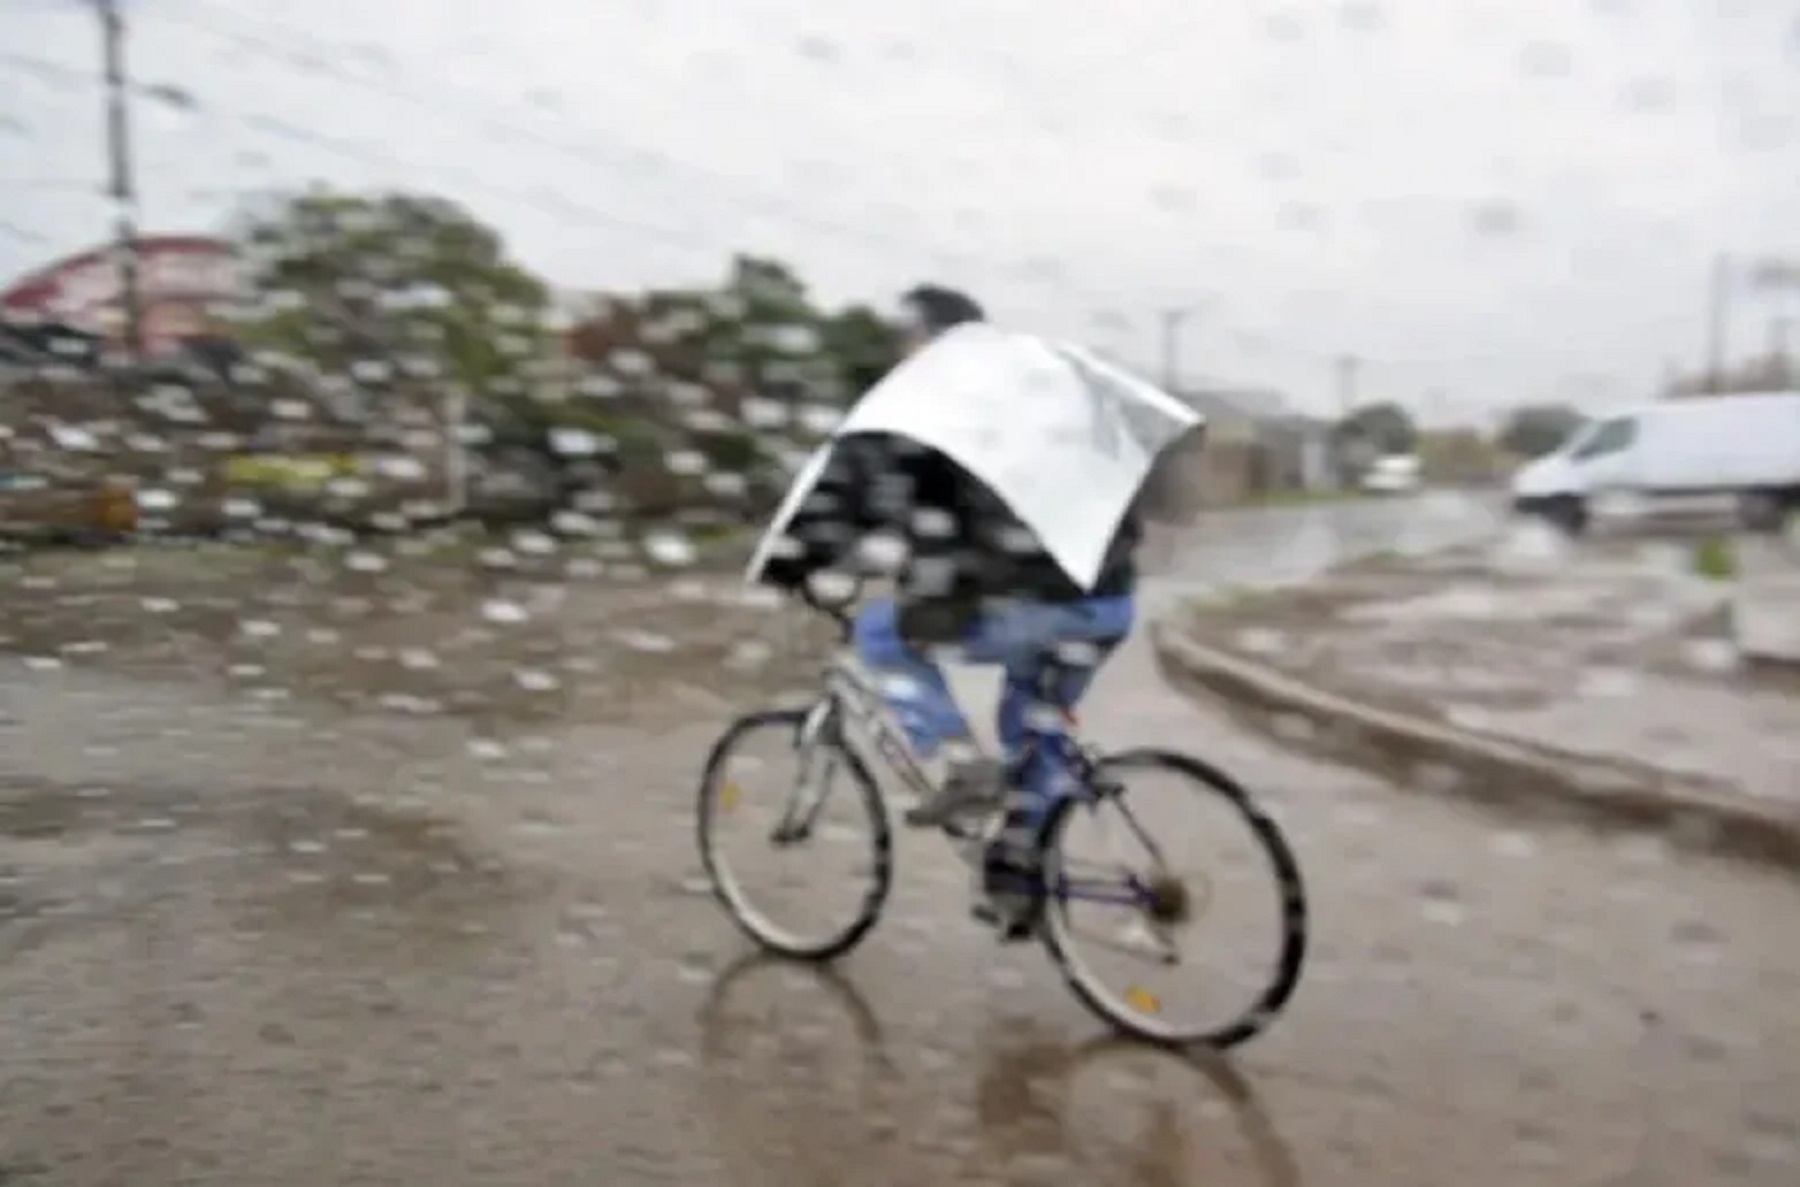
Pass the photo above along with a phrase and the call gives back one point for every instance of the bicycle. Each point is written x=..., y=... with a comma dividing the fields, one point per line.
x=1092, y=781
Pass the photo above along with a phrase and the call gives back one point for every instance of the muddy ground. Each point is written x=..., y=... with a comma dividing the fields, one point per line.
x=499, y=631
x=282, y=901
x=1617, y=649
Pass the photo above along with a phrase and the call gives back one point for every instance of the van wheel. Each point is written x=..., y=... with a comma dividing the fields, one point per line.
x=1764, y=510
x=1568, y=514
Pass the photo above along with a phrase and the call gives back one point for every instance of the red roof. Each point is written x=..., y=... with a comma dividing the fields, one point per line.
x=33, y=289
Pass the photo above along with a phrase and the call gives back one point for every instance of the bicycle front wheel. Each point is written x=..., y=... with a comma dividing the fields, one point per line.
x=794, y=836
x=1207, y=869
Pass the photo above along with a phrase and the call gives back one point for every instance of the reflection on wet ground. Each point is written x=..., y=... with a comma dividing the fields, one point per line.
x=1043, y=1108
x=296, y=940
x=1278, y=545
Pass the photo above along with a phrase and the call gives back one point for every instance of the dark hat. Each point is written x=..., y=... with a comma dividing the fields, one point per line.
x=931, y=309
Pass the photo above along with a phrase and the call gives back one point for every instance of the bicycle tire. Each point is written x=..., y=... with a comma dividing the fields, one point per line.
x=1284, y=865
x=732, y=898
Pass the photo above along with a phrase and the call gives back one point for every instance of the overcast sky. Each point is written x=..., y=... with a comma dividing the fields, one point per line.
x=1492, y=200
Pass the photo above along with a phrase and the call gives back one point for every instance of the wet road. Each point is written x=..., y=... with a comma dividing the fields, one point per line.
x=1278, y=545
x=269, y=939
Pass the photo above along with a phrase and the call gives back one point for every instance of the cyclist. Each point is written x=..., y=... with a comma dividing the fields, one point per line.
x=970, y=576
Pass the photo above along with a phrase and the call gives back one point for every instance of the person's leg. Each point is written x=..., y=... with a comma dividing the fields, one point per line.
x=972, y=781
x=1078, y=637
x=913, y=686
x=1050, y=674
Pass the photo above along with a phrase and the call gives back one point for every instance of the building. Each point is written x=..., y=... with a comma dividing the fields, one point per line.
x=1301, y=453
x=184, y=281
x=1257, y=444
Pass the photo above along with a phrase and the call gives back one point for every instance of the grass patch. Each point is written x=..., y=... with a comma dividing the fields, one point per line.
x=1715, y=559
x=1226, y=599
x=1298, y=498
x=1383, y=560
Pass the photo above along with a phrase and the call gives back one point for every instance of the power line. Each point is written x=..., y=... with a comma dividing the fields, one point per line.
x=280, y=39
x=601, y=151
x=590, y=152
x=593, y=147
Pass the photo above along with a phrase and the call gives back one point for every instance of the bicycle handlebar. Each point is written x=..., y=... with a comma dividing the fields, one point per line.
x=837, y=610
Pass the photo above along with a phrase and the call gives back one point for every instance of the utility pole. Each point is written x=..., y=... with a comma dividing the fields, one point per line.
x=1718, y=319
x=1434, y=403
x=122, y=187
x=1172, y=322
x=1347, y=367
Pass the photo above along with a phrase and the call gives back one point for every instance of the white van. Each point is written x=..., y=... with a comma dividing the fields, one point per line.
x=1395, y=474
x=1740, y=451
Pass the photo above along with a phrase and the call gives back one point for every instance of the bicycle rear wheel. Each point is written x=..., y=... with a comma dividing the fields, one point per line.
x=1153, y=901
x=813, y=805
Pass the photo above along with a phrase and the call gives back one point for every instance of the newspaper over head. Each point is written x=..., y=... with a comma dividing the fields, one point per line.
x=1067, y=439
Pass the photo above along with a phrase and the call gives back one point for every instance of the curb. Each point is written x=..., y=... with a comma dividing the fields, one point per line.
x=1428, y=756
x=1762, y=619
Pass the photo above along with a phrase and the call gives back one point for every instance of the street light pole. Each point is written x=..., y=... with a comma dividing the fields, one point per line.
x=1717, y=322
x=1347, y=366
x=1172, y=321
x=122, y=187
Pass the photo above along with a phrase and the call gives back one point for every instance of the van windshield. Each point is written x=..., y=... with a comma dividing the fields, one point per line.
x=1580, y=437
x=1608, y=437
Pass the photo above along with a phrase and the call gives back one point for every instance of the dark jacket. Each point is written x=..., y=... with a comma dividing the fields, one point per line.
x=963, y=545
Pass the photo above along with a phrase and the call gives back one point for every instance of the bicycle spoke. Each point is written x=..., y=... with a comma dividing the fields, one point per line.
x=1138, y=830
x=762, y=881
x=1124, y=903
x=818, y=768
x=1136, y=936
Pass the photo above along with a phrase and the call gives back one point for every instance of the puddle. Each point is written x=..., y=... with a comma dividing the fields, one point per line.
x=289, y=855
x=319, y=852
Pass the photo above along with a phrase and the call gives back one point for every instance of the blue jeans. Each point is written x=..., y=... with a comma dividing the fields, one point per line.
x=1022, y=639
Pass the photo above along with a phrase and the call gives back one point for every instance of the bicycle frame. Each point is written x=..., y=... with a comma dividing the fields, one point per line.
x=848, y=695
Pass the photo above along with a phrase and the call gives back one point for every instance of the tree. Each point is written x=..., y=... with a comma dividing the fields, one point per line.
x=1774, y=371
x=766, y=333
x=863, y=346
x=1534, y=430
x=1382, y=428
x=396, y=280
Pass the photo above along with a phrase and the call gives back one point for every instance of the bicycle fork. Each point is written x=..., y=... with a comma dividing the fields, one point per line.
x=819, y=760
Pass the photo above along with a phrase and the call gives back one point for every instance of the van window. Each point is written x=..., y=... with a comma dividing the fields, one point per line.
x=1610, y=437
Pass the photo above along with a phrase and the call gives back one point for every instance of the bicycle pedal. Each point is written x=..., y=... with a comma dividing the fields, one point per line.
x=1013, y=930
x=790, y=834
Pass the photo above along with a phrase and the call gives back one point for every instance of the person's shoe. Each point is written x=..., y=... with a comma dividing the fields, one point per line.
x=969, y=785
x=1014, y=927
x=1009, y=886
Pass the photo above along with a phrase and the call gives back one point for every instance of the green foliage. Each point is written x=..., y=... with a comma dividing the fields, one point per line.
x=734, y=452
x=1381, y=428
x=1771, y=372
x=405, y=279
x=1534, y=430
x=1715, y=559
x=864, y=346
x=420, y=287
